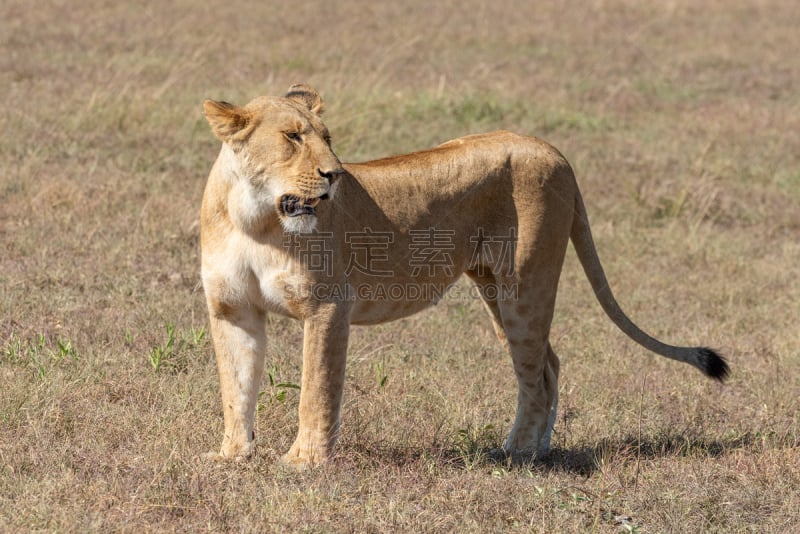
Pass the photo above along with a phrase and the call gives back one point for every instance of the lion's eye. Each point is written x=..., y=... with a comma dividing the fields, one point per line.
x=294, y=136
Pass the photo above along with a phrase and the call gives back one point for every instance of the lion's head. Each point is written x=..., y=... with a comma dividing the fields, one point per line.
x=280, y=150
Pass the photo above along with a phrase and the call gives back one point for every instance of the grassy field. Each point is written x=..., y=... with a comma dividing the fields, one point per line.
x=682, y=120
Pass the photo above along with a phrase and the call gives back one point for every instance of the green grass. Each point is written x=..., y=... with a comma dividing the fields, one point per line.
x=682, y=124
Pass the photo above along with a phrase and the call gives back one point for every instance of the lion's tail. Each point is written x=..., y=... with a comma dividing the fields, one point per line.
x=705, y=359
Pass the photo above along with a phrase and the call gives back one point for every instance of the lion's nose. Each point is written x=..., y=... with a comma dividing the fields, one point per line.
x=330, y=174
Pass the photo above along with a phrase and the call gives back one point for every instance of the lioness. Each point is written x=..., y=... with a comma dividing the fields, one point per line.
x=287, y=228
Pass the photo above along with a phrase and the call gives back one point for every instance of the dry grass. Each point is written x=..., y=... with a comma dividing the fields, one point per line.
x=683, y=123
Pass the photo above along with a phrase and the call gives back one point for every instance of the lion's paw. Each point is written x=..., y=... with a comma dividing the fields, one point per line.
x=214, y=456
x=301, y=462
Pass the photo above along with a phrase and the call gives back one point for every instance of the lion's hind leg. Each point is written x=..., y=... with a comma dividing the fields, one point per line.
x=523, y=329
x=551, y=369
x=537, y=401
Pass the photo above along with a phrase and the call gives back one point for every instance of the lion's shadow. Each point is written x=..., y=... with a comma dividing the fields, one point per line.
x=582, y=461
x=587, y=460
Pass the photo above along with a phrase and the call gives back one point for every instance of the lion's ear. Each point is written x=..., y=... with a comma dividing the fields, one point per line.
x=307, y=96
x=228, y=122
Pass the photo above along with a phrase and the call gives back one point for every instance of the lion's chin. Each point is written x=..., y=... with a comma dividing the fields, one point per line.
x=299, y=224
x=294, y=206
x=298, y=215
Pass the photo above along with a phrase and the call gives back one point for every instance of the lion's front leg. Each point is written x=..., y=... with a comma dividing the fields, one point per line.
x=239, y=342
x=324, y=356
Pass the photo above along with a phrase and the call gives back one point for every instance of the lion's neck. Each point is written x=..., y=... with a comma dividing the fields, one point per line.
x=250, y=211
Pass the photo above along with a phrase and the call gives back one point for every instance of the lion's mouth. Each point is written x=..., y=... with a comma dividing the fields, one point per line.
x=294, y=206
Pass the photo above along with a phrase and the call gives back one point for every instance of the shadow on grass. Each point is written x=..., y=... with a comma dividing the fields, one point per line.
x=583, y=461
x=587, y=460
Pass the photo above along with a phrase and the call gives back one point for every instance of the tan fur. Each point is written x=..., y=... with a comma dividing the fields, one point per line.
x=477, y=194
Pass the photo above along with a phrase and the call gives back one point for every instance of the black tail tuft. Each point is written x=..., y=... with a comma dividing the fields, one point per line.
x=713, y=364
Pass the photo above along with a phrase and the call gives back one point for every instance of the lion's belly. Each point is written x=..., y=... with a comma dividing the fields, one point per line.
x=368, y=312
x=379, y=303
